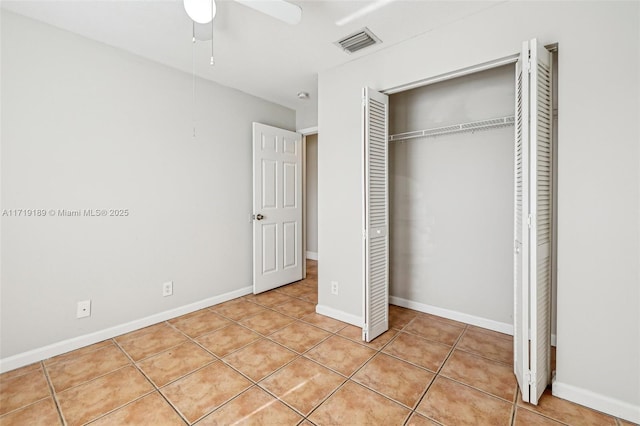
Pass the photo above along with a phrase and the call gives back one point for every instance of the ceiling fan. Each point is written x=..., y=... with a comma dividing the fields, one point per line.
x=203, y=11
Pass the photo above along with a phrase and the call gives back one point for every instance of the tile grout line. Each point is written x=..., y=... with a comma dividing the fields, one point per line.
x=513, y=414
x=435, y=374
x=435, y=377
x=120, y=406
x=218, y=357
x=346, y=379
x=99, y=377
x=514, y=402
x=484, y=357
x=350, y=377
x=256, y=383
x=53, y=393
x=282, y=401
x=63, y=361
x=326, y=399
x=219, y=407
x=546, y=416
x=156, y=388
x=324, y=339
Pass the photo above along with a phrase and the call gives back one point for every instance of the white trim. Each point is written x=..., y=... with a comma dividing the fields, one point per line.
x=308, y=131
x=339, y=315
x=39, y=354
x=501, y=327
x=511, y=59
x=312, y=255
x=596, y=401
x=304, y=205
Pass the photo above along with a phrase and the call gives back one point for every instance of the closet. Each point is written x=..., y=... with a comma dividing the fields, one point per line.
x=451, y=196
x=458, y=204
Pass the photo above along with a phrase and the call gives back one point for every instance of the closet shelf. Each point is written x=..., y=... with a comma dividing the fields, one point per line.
x=456, y=128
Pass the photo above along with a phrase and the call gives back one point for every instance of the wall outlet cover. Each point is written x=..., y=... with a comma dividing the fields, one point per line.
x=83, y=309
x=167, y=289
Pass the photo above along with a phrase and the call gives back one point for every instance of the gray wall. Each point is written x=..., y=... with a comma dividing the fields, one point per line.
x=451, y=198
x=598, y=183
x=86, y=126
x=312, y=194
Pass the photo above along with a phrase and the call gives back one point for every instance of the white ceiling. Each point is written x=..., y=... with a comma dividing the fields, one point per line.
x=253, y=52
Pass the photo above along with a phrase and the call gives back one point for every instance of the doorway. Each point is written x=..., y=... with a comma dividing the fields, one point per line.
x=311, y=196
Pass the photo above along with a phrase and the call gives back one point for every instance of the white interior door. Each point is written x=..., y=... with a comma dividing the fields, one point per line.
x=532, y=221
x=277, y=207
x=376, y=212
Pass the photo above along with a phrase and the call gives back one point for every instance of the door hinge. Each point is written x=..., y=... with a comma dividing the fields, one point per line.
x=365, y=331
x=531, y=220
x=365, y=234
x=529, y=66
x=364, y=101
x=529, y=377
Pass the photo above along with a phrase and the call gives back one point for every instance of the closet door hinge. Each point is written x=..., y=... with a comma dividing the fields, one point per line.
x=528, y=66
x=365, y=234
x=528, y=377
x=365, y=331
x=531, y=221
x=364, y=101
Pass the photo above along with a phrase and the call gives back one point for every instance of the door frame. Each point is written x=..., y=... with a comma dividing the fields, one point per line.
x=308, y=131
x=506, y=60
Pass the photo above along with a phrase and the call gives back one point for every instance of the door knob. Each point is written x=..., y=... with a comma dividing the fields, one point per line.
x=259, y=217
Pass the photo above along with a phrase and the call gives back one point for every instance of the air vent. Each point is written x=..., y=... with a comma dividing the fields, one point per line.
x=358, y=41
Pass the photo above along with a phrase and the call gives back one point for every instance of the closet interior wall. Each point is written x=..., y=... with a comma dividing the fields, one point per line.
x=451, y=198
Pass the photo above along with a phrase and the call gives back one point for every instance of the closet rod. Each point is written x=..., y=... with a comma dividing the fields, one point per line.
x=456, y=128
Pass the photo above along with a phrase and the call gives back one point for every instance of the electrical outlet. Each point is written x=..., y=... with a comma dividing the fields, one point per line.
x=83, y=309
x=334, y=287
x=167, y=289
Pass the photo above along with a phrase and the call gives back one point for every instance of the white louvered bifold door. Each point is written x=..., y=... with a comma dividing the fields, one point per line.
x=376, y=211
x=521, y=234
x=540, y=187
x=533, y=219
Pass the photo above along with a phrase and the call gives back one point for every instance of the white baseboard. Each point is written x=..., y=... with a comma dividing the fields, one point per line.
x=501, y=327
x=614, y=407
x=39, y=354
x=312, y=255
x=339, y=315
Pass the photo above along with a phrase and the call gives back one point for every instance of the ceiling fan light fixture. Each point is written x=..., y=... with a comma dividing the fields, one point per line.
x=200, y=11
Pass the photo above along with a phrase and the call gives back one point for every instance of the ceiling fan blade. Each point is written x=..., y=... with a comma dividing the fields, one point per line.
x=279, y=9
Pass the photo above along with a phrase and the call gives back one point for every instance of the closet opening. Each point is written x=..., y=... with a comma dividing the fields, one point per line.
x=451, y=174
x=451, y=197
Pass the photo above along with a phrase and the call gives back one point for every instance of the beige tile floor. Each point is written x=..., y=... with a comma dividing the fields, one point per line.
x=270, y=360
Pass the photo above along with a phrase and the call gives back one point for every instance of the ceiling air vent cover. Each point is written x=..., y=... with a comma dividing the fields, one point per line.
x=358, y=40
